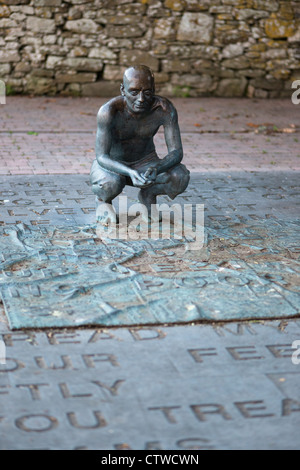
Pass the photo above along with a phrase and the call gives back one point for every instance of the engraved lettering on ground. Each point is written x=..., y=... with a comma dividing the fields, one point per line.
x=63, y=338
x=12, y=213
x=77, y=200
x=23, y=202
x=85, y=337
x=107, y=390
x=11, y=365
x=36, y=423
x=91, y=359
x=88, y=210
x=250, y=409
x=65, y=361
x=290, y=406
x=244, y=353
x=98, y=421
x=10, y=339
x=83, y=192
x=201, y=411
x=66, y=211
x=281, y=350
x=34, y=193
x=66, y=393
x=48, y=202
x=54, y=192
x=198, y=354
x=240, y=330
x=4, y=390
x=147, y=334
x=167, y=412
x=7, y=194
x=40, y=212
x=65, y=390
x=33, y=389
x=101, y=335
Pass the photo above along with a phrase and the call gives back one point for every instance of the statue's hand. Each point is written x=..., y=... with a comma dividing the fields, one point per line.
x=150, y=174
x=139, y=180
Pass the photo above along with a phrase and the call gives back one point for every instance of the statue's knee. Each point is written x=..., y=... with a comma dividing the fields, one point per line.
x=180, y=178
x=108, y=190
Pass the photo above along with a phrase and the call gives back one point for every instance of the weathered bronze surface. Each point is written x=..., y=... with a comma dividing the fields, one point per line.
x=56, y=272
x=125, y=150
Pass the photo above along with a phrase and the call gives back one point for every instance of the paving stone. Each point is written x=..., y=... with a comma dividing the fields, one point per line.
x=195, y=387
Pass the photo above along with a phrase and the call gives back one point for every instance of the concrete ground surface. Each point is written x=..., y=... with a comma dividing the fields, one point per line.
x=199, y=386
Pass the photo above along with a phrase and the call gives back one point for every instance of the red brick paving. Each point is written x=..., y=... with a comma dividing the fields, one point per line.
x=56, y=135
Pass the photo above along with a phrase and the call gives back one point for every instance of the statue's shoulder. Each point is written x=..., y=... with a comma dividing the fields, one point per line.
x=166, y=109
x=109, y=110
x=164, y=104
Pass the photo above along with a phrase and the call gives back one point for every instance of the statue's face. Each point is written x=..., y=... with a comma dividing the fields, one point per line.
x=138, y=91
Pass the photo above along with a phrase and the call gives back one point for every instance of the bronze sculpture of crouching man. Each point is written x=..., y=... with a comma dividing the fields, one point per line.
x=125, y=150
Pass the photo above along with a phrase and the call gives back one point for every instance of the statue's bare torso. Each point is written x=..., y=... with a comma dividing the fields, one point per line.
x=131, y=136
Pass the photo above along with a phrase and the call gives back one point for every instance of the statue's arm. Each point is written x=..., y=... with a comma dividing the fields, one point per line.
x=173, y=140
x=104, y=142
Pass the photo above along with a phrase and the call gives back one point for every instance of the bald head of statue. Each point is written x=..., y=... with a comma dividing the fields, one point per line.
x=138, y=88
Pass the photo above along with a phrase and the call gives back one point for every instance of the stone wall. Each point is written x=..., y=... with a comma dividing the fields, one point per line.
x=195, y=47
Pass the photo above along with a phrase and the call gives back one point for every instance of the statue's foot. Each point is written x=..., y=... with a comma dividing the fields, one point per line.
x=105, y=213
x=149, y=202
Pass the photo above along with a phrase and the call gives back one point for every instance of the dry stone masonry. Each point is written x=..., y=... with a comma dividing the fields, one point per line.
x=195, y=47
